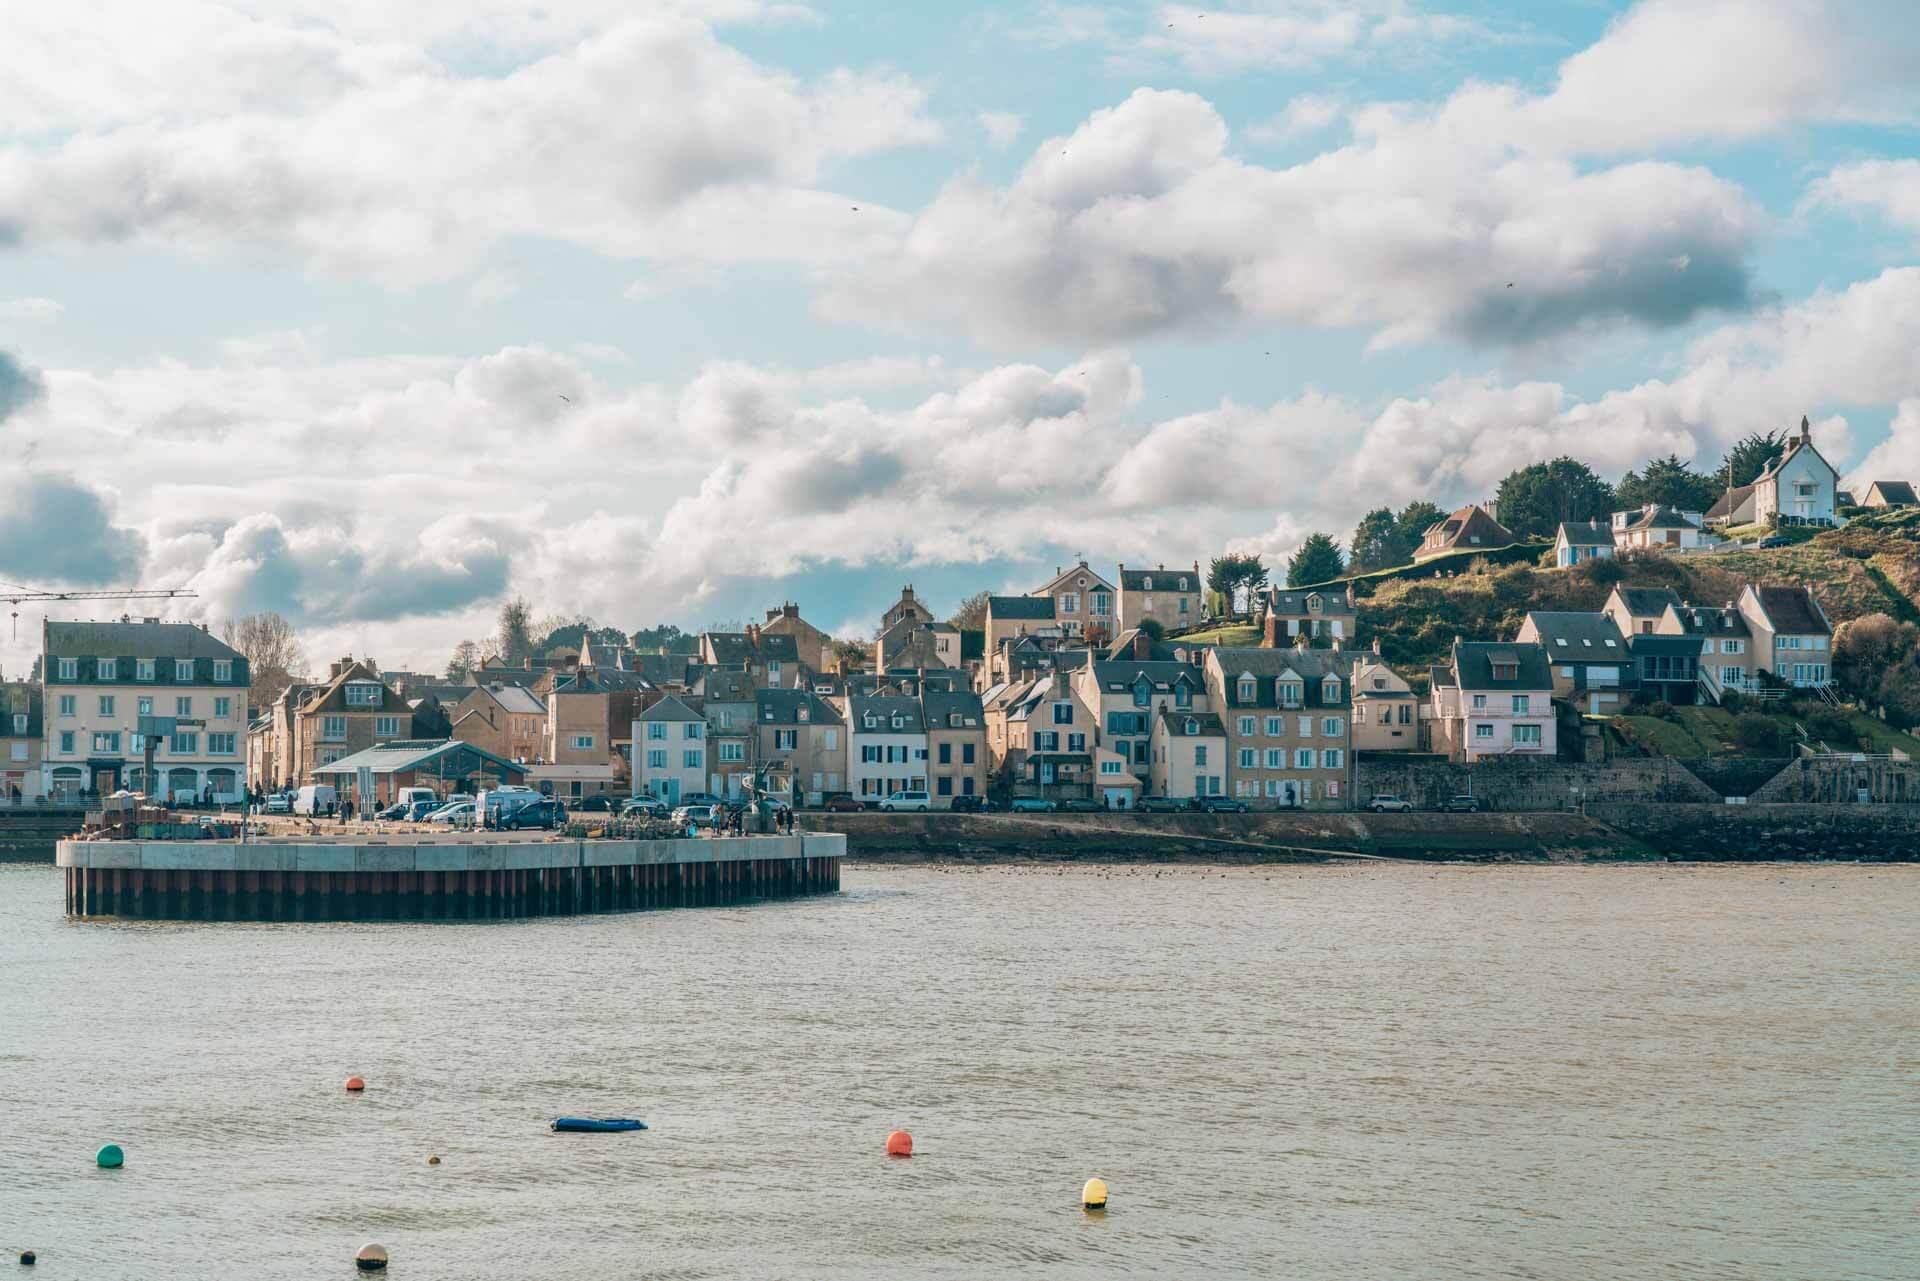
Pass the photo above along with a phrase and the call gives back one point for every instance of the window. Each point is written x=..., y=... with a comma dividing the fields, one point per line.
x=1276, y=726
x=1292, y=693
x=1146, y=584
x=66, y=741
x=1143, y=692
x=732, y=753
x=829, y=738
x=183, y=705
x=1332, y=727
x=185, y=742
x=68, y=705
x=18, y=751
x=946, y=753
x=1526, y=735
x=1306, y=727
x=690, y=758
x=966, y=753
x=1276, y=758
x=1182, y=696
x=1111, y=767
x=1099, y=604
x=220, y=744
x=1730, y=647
x=69, y=669
x=581, y=742
x=785, y=740
x=384, y=727
x=1330, y=690
x=1069, y=602
x=1479, y=702
x=1046, y=741
x=1520, y=704
x=106, y=669
x=143, y=669
x=222, y=706
x=106, y=704
x=183, y=669
x=1247, y=757
x=333, y=729
x=1247, y=692
x=656, y=731
x=106, y=742
x=1063, y=713
x=656, y=758
x=19, y=722
x=1303, y=758
x=1076, y=742
x=694, y=729
x=1482, y=732
x=223, y=669
x=1332, y=758
x=1200, y=755
x=363, y=694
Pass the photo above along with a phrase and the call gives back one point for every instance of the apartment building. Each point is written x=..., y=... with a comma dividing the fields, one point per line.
x=1288, y=716
x=802, y=742
x=1126, y=694
x=510, y=721
x=1189, y=754
x=21, y=733
x=888, y=745
x=1386, y=711
x=669, y=751
x=1083, y=602
x=956, y=743
x=1493, y=698
x=1792, y=637
x=1170, y=597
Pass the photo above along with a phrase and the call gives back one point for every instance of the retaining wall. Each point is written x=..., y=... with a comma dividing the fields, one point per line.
x=1517, y=783
x=1768, y=832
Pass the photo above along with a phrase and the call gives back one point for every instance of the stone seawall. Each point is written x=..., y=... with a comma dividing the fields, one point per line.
x=29, y=834
x=1519, y=783
x=1767, y=832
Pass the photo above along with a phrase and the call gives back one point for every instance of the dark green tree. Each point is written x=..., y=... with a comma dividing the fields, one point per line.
x=1668, y=481
x=1535, y=499
x=1375, y=542
x=514, y=640
x=1233, y=574
x=1750, y=456
x=1152, y=629
x=1317, y=561
x=1412, y=524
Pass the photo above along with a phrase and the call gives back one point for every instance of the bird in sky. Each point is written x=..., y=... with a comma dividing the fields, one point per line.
x=566, y=398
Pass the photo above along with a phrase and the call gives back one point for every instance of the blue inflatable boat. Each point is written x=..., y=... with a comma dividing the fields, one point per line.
x=597, y=1125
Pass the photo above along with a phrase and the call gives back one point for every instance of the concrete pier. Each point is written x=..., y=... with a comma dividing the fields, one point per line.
x=436, y=879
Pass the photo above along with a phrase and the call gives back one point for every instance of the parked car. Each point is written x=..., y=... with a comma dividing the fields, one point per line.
x=700, y=798
x=418, y=810
x=1164, y=805
x=278, y=803
x=915, y=801
x=645, y=806
x=548, y=814
x=696, y=815
x=598, y=803
x=396, y=810
x=1031, y=805
x=972, y=805
x=1387, y=803
x=843, y=803
x=1082, y=805
x=1462, y=805
x=1774, y=540
x=1223, y=805
x=452, y=812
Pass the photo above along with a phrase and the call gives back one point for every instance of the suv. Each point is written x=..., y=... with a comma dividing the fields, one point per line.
x=1463, y=805
x=599, y=802
x=697, y=815
x=906, y=801
x=972, y=805
x=1385, y=803
x=548, y=814
x=1223, y=805
x=1082, y=805
x=1031, y=805
x=643, y=805
x=843, y=803
x=1164, y=805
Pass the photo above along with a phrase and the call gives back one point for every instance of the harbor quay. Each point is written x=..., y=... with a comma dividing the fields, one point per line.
x=314, y=879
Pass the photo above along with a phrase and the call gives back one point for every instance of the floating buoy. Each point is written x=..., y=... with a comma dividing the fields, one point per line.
x=27, y=1258
x=355, y=1085
x=899, y=1143
x=371, y=1257
x=1094, y=1195
x=110, y=1157
x=433, y=1160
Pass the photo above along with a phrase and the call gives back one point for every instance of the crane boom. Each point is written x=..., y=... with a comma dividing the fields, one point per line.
x=20, y=595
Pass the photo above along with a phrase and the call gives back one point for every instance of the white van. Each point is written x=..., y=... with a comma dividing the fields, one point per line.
x=315, y=798
x=408, y=795
x=490, y=805
x=907, y=801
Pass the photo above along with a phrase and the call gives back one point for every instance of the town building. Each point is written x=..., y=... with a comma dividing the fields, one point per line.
x=509, y=721
x=21, y=732
x=909, y=608
x=1582, y=540
x=100, y=679
x=1592, y=666
x=1126, y=693
x=1083, y=603
x=1170, y=597
x=1472, y=528
x=1637, y=611
x=1800, y=487
x=311, y=725
x=582, y=755
x=669, y=751
x=1011, y=617
x=956, y=743
x=1658, y=528
x=1666, y=668
x=1792, y=637
x=1493, y=698
x=1040, y=737
x=1726, y=657
x=1288, y=717
x=915, y=644
x=1319, y=614
x=727, y=698
x=887, y=733
x=801, y=743
x=1189, y=755
x=773, y=659
x=813, y=647
x=1386, y=711
x=1890, y=493
x=447, y=766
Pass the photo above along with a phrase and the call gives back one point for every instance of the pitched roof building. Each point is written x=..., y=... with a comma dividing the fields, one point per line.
x=1471, y=528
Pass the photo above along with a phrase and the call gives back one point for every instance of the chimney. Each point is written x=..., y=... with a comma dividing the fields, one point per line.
x=1270, y=636
x=1142, y=646
x=1300, y=640
x=790, y=610
x=1376, y=647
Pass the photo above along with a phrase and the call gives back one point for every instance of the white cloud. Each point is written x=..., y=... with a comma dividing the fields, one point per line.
x=648, y=138
x=1002, y=127
x=33, y=309
x=1291, y=33
x=1895, y=458
x=1890, y=188
x=57, y=529
x=1307, y=114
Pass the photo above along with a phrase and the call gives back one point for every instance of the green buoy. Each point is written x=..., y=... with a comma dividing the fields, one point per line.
x=110, y=1157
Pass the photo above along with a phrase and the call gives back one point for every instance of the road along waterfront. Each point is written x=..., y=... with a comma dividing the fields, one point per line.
x=1342, y=1072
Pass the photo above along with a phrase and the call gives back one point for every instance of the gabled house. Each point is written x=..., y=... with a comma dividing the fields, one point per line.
x=1386, y=711
x=1040, y=736
x=1471, y=528
x=1659, y=528
x=909, y=608
x=1637, y=611
x=1126, y=693
x=1799, y=488
x=726, y=696
x=1592, y=666
x=509, y=721
x=1493, y=698
x=917, y=644
x=1582, y=540
x=1890, y=493
x=669, y=751
x=1288, y=715
x=1189, y=754
x=813, y=647
x=1082, y=602
x=1009, y=617
x=956, y=743
x=773, y=659
x=1321, y=613
x=801, y=742
x=1169, y=597
x=1792, y=637
x=353, y=711
x=887, y=733
x=1726, y=656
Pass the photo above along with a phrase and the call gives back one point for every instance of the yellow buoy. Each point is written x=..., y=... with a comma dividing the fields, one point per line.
x=1094, y=1195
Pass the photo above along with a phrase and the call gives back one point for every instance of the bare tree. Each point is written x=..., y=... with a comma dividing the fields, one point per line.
x=514, y=642
x=274, y=657
x=971, y=615
x=466, y=660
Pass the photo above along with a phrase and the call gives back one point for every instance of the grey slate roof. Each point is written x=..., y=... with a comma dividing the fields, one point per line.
x=1647, y=602
x=1661, y=518
x=942, y=705
x=782, y=706
x=1586, y=533
x=1163, y=579
x=1894, y=492
x=1473, y=663
x=1207, y=723
x=1292, y=602
x=734, y=647
x=1793, y=611
x=1125, y=672
x=135, y=640
x=885, y=708
x=670, y=709
x=1026, y=608
x=1730, y=502
x=402, y=755
x=1312, y=666
x=1578, y=637
x=1711, y=620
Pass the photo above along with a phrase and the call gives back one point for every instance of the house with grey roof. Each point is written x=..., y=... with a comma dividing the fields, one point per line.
x=1581, y=540
x=1288, y=715
x=956, y=724
x=1800, y=487
x=887, y=752
x=1189, y=755
x=1493, y=698
x=1592, y=666
x=1125, y=693
x=800, y=743
x=1317, y=613
x=1638, y=610
x=1890, y=493
x=1082, y=601
x=1173, y=598
x=1656, y=527
x=1792, y=636
x=1726, y=651
x=669, y=751
x=1471, y=528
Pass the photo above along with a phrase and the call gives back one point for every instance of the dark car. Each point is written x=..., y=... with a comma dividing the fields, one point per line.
x=842, y=803
x=546, y=814
x=1223, y=805
x=1463, y=805
x=1774, y=540
x=972, y=805
x=1081, y=805
x=701, y=798
x=1164, y=805
x=394, y=811
x=598, y=804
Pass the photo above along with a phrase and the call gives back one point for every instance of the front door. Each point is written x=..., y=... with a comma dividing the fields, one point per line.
x=106, y=780
x=671, y=786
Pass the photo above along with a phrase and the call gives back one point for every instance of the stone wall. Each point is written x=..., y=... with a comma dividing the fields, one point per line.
x=1514, y=783
x=1769, y=832
x=1839, y=780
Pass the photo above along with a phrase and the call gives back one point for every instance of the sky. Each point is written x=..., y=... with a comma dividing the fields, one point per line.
x=376, y=314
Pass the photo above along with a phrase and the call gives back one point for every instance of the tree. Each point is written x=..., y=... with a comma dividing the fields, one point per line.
x=1412, y=524
x=665, y=639
x=1153, y=629
x=1669, y=482
x=1234, y=573
x=852, y=653
x=1317, y=561
x=1760, y=734
x=1750, y=455
x=513, y=642
x=1877, y=659
x=971, y=616
x=1534, y=500
x=273, y=654
x=465, y=661
x=1374, y=543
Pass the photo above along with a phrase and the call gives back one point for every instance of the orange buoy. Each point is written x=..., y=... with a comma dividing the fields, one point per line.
x=355, y=1084
x=899, y=1143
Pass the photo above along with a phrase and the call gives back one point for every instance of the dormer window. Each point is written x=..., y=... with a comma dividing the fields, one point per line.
x=1182, y=695
x=898, y=723
x=1330, y=689
x=1146, y=584
x=1247, y=690
x=1181, y=584
x=871, y=721
x=1506, y=671
x=801, y=713
x=1291, y=693
x=1193, y=727
x=1142, y=692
